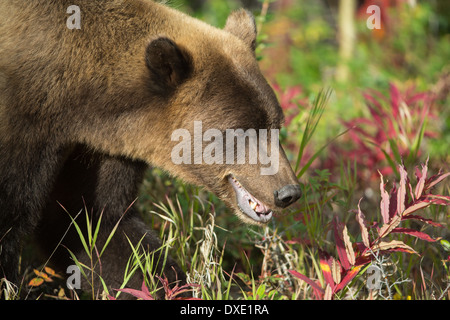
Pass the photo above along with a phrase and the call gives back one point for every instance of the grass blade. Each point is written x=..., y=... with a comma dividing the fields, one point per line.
x=113, y=231
x=311, y=124
x=80, y=234
x=315, y=155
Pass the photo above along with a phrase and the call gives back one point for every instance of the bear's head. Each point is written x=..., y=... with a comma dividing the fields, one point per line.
x=221, y=117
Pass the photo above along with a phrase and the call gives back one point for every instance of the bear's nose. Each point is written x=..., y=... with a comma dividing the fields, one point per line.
x=287, y=195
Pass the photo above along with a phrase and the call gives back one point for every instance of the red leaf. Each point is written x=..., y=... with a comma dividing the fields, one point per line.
x=138, y=294
x=336, y=270
x=326, y=265
x=328, y=293
x=395, y=100
x=318, y=294
x=415, y=233
x=428, y=221
x=347, y=278
x=437, y=199
x=388, y=227
x=401, y=194
x=411, y=194
x=415, y=206
x=394, y=245
x=421, y=180
x=360, y=247
x=348, y=246
x=307, y=280
x=417, y=97
x=384, y=205
x=393, y=201
x=399, y=249
x=362, y=225
x=144, y=289
x=144, y=294
x=371, y=99
x=341, y=245
x=435, y=180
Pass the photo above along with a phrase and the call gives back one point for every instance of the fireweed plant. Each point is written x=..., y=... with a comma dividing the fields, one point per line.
x=403, y=202
x=391, y=131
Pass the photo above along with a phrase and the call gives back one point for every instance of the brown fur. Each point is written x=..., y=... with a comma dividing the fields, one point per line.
x=83, y=111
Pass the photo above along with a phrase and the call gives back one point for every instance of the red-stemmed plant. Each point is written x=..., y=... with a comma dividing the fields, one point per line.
x=392, y=130
x=400, y=204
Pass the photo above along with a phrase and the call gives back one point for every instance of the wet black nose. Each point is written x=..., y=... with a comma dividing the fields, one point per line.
x=287, y=195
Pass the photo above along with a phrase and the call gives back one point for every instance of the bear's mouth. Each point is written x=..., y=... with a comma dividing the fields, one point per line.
x=248, y=204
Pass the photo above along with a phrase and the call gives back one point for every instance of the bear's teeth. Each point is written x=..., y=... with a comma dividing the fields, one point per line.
x=252, y=205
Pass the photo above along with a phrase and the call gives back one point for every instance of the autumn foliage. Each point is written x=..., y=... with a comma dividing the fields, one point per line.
x=401, y=203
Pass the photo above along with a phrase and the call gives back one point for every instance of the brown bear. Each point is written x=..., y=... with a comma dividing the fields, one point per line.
x=84, y=110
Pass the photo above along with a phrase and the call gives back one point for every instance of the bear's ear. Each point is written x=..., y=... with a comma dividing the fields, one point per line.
x=169, y=65
x=241, y=23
